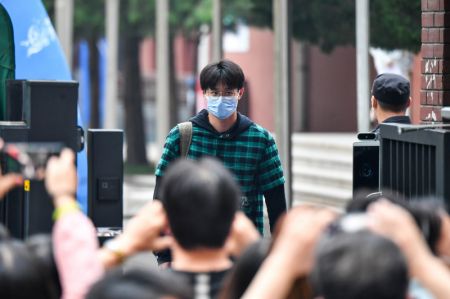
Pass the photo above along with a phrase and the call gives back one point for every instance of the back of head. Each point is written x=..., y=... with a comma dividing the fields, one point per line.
x=359, y=265
x=20, y=273
x=41, y=247
x=244, y=269
x=427, y=213
x=140, y=284
x=223, y=72
x=200, y=199
x=391, y=91
x=362, y=199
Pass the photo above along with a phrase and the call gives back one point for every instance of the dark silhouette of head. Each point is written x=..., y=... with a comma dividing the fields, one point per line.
x=359, y=265
x=140, y=283
x=21, y=273
x=200, y=199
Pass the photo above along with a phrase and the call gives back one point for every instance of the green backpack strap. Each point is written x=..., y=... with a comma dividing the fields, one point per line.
x=185, y=129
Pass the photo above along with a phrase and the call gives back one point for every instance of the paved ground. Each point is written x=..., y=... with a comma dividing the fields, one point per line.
x=138, y=190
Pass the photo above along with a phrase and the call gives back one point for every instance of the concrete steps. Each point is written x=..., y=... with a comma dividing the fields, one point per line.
x=322, y=168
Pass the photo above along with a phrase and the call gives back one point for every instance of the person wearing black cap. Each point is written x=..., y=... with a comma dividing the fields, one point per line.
x=390, y=99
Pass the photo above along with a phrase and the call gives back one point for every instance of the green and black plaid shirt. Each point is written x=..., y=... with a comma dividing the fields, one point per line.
x=251, y=155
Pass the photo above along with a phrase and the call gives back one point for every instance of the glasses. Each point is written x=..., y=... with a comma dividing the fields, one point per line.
x=217, y=93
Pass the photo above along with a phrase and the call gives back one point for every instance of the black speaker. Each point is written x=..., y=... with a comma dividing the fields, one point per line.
x=14, y=100
x=53, y=117
x=39, y=111
x=105, y=177
x=366, y=168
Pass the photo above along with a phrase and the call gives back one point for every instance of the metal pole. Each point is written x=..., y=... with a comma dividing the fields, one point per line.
x=162, y=72
x=64, y=27
x=299, y=72
x=217, y=31
x=112, y=38
x=282, y=94
x=362, y=64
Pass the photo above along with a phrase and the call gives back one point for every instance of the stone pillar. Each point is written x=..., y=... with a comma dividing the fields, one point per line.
x=435, y=85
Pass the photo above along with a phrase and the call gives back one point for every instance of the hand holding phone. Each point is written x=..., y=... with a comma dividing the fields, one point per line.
x=29, y=159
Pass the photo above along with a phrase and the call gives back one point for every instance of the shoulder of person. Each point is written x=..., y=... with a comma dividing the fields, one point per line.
x=261, y=130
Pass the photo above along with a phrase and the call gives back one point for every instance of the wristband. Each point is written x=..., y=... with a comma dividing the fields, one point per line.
x=113, y=247
x=64, y=209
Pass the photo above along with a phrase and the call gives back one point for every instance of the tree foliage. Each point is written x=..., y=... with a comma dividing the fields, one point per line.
x=88, y=17
x=394, y=24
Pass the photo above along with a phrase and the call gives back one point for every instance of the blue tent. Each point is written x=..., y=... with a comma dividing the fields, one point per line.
x=39, y=56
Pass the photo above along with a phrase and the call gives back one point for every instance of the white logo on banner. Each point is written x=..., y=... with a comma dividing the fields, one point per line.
x=39, y=36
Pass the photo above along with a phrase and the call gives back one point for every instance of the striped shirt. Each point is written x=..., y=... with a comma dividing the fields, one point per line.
x=251, y=155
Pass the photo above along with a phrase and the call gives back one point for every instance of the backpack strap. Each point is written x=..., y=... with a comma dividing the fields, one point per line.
x=185, y=129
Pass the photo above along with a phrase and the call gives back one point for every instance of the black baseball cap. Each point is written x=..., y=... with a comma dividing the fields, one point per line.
x=391, y=89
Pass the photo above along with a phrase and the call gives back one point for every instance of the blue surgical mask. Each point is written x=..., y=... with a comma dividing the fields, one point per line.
x=222, y=107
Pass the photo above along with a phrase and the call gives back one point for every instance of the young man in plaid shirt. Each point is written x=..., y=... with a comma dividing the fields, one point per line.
x=245, y=148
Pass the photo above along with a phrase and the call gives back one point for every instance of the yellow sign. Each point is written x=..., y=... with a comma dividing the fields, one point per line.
x=26, y=185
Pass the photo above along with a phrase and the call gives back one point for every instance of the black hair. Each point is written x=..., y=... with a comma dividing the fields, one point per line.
x=20, y=273
x=427, y=214
x=200, y=199
x=140, y=283
x=244, y=270
x=225, y=72
x=359, y=265
x=363, y=198
x=393, y=108
x=425, y=211
x=41, y=247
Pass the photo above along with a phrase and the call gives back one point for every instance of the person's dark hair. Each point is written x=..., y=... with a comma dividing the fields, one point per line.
x=425, y=211
x=393, y=108
x=244, y=269
x=200, y=199
x=41, y=247
x=363, y=198
x=225, y=72
x=20, y=273
x=140, y=283
x=427, y=214
x=359, y=265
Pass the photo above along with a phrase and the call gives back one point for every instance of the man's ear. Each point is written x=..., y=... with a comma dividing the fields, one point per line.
x=241, y=93
x=408, y=104
x=374, y=102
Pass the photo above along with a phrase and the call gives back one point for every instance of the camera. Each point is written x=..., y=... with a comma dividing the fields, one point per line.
x=28, y=159
x=367, y=136
x=366, y=162
x=349, y=223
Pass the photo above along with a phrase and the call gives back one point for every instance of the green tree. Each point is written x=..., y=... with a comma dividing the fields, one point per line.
x=88, y=25
x=394, y=24
x=137, y=21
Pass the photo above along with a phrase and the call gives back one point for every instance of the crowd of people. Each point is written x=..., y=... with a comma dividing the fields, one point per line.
x=379, y=248
x=208, y=211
